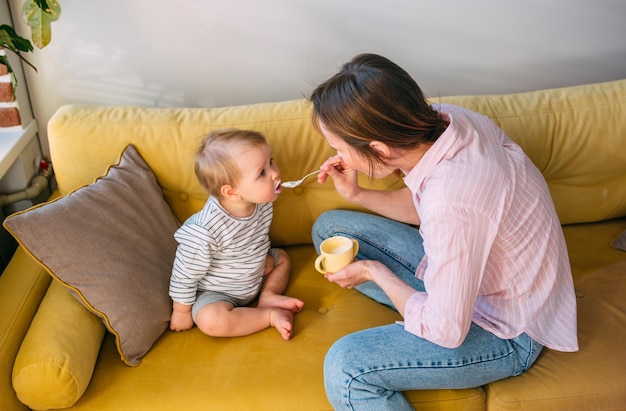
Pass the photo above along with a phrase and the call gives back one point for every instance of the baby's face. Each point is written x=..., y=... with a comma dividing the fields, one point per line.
x=260, y=177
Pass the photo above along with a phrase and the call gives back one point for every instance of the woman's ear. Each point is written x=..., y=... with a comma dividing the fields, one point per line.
x=230, y=193
x=381, y=148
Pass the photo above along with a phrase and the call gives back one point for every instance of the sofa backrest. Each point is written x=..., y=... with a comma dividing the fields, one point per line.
x=85, y=140
x=575, y=136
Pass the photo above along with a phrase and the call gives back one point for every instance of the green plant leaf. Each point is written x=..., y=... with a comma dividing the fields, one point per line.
x=39, y=16
x=10, y=40
x=13, y=41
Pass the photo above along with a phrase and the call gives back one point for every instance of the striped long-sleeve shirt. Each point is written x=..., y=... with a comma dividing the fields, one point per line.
x=494, y=248
x=219, y=252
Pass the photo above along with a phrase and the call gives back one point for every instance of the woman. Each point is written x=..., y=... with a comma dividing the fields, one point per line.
x=470, y=252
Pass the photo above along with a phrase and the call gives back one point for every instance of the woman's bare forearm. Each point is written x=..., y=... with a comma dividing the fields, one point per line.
x=397, y=205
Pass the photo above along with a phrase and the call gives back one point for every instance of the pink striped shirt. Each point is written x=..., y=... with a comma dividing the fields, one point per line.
x=494, y=248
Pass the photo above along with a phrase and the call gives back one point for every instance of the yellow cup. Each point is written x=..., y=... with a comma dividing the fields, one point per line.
x=336, y=253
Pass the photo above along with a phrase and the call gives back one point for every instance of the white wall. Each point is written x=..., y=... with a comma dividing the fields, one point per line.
x=225, y=52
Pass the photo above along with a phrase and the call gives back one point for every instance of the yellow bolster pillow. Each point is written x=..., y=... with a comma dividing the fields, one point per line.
x=58, y=355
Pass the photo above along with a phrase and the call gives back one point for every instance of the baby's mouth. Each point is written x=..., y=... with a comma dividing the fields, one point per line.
x=279, y=188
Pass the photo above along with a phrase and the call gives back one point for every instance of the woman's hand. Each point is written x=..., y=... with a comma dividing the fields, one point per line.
x=394, y=204
x=361, y=271
x=333, y=163
x=351, y=275
x=346, y=179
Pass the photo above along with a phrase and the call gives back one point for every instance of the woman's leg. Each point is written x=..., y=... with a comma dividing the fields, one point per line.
x=397, y=245
x=367, y=370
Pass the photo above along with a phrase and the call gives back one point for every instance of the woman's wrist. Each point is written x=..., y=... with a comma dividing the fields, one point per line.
x=359, y=196
x=375, y=271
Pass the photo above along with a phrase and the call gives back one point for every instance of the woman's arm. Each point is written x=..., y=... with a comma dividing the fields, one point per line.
x=397, y=204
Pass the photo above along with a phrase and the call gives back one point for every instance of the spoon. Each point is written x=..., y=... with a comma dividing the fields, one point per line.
x=294, y=184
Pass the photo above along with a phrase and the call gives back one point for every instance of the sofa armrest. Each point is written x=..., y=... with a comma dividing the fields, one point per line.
x=22, y=287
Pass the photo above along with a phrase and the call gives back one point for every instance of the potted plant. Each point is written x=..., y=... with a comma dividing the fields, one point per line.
x=38, y=14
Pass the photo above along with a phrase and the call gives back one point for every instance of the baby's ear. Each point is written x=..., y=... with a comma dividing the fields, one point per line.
x=229, y=192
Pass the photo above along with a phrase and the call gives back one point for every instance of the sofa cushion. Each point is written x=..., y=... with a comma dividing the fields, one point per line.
x=23, y=284
x=192, y=371
x=111, y=243
x=592, y=378
x=57, y=357
x=557, y=128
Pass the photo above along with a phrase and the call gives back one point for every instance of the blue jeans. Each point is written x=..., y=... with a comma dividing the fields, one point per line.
x=369, y=369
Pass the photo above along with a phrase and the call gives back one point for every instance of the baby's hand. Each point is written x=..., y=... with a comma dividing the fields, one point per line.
x=181, y=321
x=269, y=264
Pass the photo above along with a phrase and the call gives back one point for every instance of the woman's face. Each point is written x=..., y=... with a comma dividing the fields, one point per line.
x=393, y=159
x=350, y=157
x=355, y=160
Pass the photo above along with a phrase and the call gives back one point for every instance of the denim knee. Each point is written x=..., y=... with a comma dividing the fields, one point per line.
x=336, y=378
x=328, y=224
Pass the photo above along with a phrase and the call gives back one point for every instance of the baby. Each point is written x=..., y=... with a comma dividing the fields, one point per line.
x=224, y=259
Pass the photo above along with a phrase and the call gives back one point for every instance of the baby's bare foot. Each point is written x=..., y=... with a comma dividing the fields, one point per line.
x=271, y=300
x=282, y=320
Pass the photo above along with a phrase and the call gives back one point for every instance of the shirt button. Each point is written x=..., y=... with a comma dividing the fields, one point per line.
x=183, y=196
x=298, y=191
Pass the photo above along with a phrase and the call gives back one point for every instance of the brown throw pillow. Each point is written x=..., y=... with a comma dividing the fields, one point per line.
x=112, y=244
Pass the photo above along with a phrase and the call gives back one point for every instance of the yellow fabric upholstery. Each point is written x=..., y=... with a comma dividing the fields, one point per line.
x=547, y=384
x=590, y=379
x=22, y=286
x=190, y=371
x=55, y=363
x=575, y=135
x=556, y=128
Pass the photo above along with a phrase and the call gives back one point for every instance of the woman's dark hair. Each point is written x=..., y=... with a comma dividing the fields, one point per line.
x=374, y=99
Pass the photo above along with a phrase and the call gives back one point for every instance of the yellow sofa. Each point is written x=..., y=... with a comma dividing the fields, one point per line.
x=56, y=354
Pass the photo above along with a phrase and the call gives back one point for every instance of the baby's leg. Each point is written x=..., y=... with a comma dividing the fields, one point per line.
x=221, y=319
x=271, y=295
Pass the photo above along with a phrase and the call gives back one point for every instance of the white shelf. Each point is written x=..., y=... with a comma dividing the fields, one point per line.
x=12, y=143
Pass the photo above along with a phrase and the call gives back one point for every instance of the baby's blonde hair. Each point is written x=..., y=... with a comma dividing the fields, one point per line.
x=215, y=162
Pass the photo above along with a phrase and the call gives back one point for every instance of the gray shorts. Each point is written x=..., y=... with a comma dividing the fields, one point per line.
x=205, y=297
